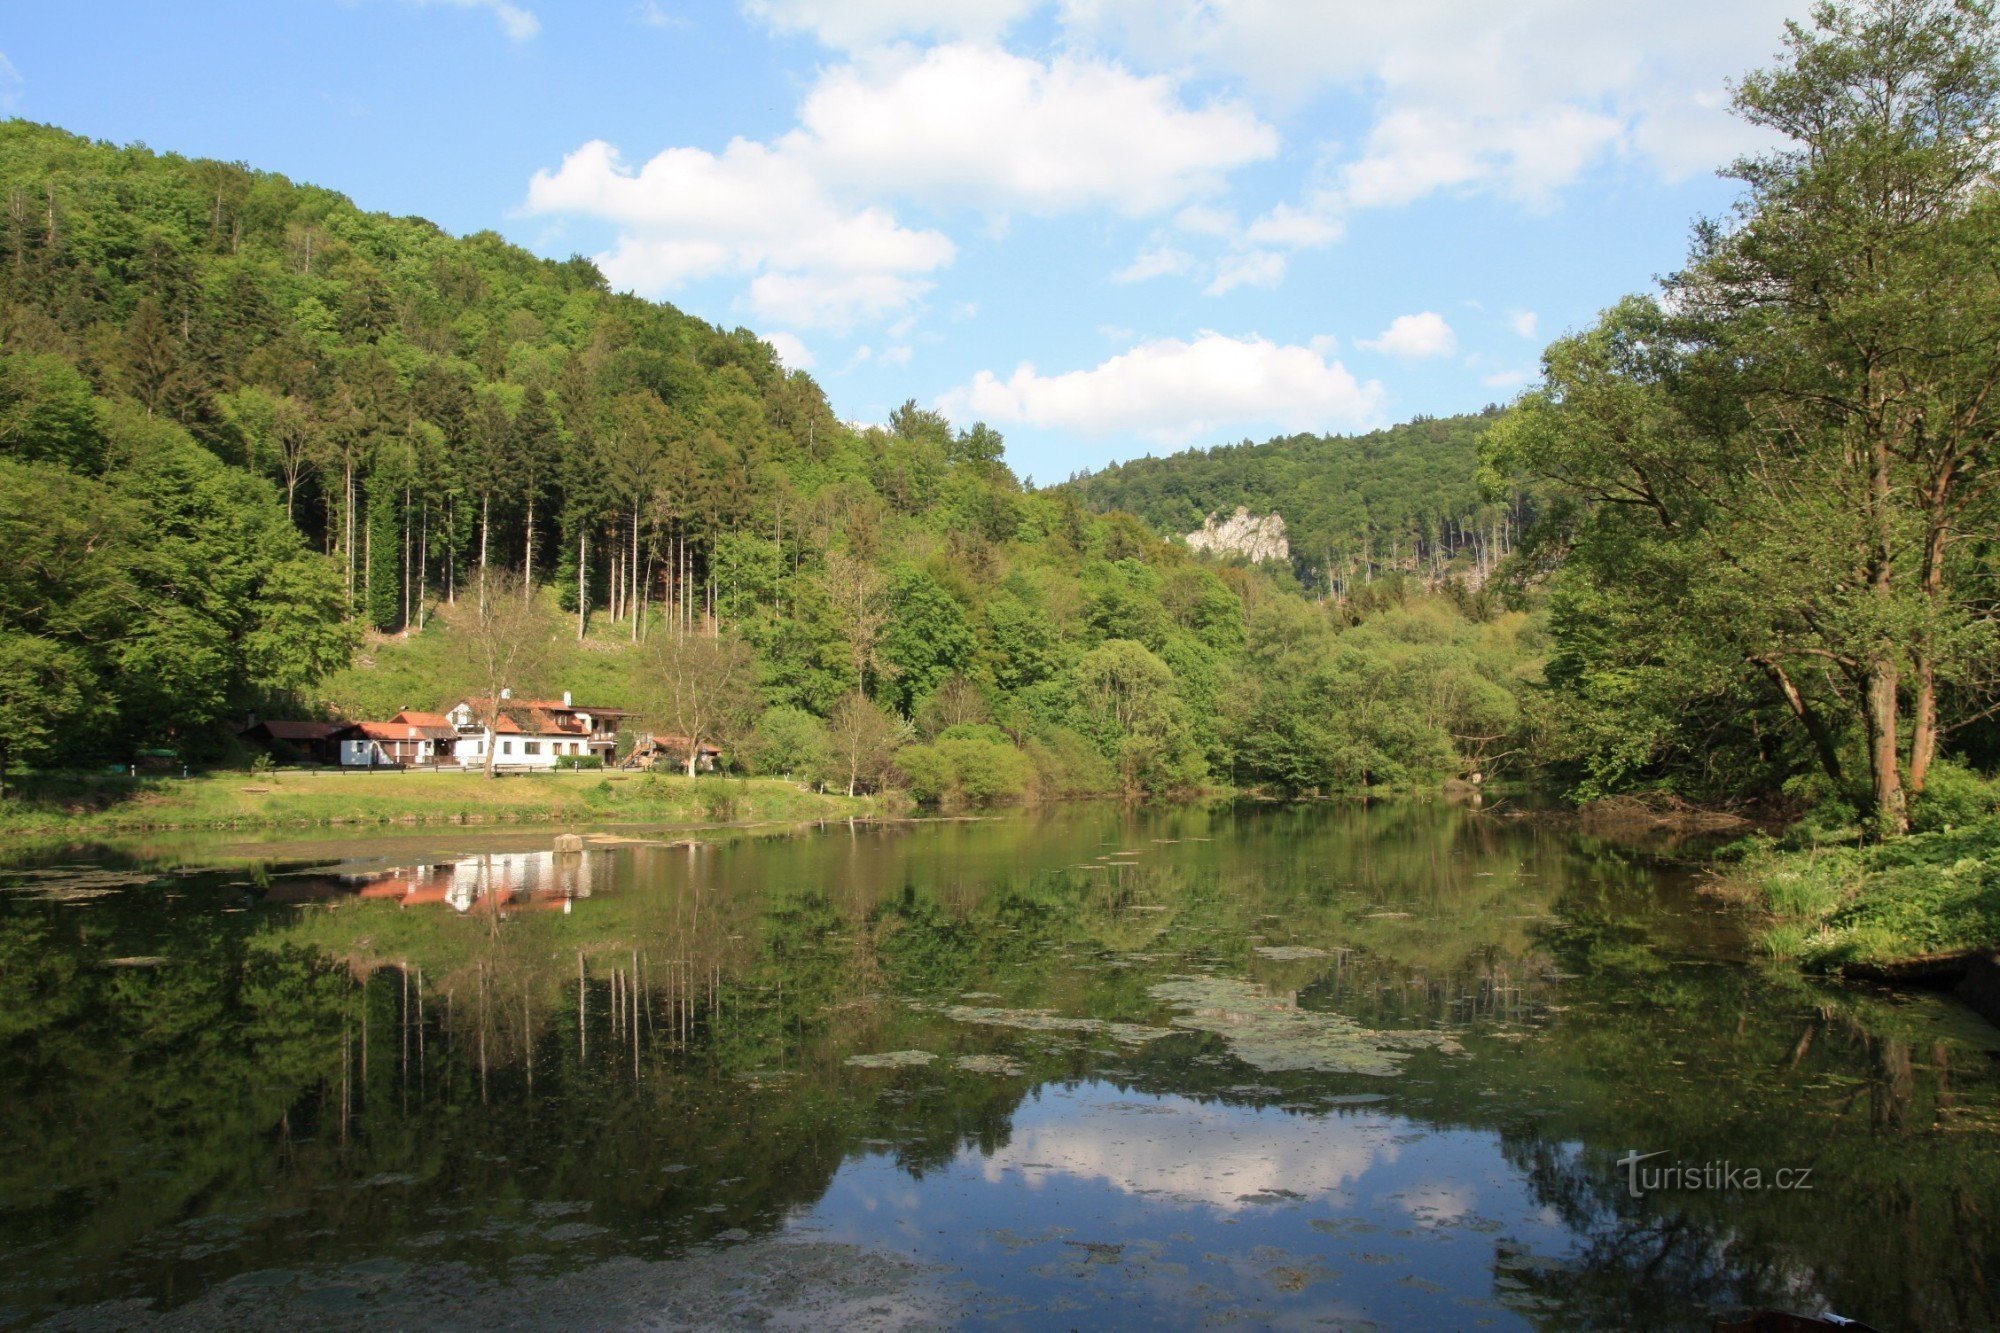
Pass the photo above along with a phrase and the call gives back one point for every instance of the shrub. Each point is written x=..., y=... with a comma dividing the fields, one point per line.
x=1953, y=795
x=966, y=770
x=577, y=761
x=791, y=740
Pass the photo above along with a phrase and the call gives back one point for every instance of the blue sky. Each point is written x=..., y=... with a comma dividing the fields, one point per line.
x=1107, y=227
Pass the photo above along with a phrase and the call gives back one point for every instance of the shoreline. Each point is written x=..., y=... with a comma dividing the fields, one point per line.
x=222, y=802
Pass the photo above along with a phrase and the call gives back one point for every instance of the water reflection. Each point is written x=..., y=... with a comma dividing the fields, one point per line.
x=416, y=1077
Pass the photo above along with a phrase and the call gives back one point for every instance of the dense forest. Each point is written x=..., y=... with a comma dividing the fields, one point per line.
x=260, y=445
x=1406, y=500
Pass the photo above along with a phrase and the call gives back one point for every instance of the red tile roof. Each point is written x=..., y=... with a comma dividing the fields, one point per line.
x=417, y=719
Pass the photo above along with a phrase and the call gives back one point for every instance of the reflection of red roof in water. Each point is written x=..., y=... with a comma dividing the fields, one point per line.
x=428, y=886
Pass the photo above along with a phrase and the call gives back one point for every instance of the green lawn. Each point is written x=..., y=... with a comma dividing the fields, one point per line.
x=282, y=798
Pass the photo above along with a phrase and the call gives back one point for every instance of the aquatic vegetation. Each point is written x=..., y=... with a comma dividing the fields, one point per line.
x=1290, y=953
x=1042, y=1020
x=1272, y=1034
x=991, y=1064
x=891, y=1060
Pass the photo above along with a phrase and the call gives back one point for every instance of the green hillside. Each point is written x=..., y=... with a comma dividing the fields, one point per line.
x=1356, y=506
x=263, y=450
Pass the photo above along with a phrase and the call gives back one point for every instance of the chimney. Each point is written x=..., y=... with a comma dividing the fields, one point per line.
x=566, y=702
x=506, y=691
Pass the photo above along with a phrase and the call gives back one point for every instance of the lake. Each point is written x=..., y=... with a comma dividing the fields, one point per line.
x=1403, y=1065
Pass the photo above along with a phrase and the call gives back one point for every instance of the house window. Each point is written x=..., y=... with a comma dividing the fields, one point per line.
x=531, y=747
x=506, y=747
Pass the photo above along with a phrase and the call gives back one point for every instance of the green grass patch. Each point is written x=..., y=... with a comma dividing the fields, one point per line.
x=305, y=798
x=1929, y=893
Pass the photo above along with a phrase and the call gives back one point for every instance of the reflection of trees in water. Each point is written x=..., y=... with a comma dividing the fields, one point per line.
x=1893, y=1229
x=674, y=1043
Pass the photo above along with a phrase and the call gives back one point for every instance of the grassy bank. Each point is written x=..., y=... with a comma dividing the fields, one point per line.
x=282, y=799
x=1880, y=907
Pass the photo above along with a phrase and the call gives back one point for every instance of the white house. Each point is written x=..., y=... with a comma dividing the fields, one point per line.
x=532, y=734
x=410, y=740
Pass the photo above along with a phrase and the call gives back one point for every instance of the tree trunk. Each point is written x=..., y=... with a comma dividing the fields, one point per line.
x=485, y=532
x=635, y=560
x=423, y=560
x=528, y=560
x=1923, y=726
x=582, y=579
x=1891, y=815
x=406, y=557
x=1815, y=725
x=694, y=749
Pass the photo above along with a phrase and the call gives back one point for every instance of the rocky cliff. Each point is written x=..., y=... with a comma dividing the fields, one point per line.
x=1242, y=533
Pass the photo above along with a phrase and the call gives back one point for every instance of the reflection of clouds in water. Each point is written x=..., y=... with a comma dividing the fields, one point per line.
x=1195, y=1153
x=1433, y=1203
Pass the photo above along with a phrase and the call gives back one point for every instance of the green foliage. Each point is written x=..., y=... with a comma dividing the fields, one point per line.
x=1771, y=478
x=246, y=427
x=1406, y=498
x=1929, y=893
x=966, y=766
x=791, y=741
x=928, y=638
x=1954, y=796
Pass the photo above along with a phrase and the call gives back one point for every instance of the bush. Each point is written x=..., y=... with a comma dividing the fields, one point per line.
x=577, y=761
x=1953, y=796
x=791, y=740
x=966, y=770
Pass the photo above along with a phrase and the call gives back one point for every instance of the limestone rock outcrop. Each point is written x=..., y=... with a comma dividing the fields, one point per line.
x=1245, y=534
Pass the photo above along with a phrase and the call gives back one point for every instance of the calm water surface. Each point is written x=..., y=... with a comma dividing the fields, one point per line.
x=1337, y=1066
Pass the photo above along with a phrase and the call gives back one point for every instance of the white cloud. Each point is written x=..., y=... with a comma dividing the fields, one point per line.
x=11, y=84
x=1424, y=334
x=792, y=351
x=954, y=126
x=1248, y=268
x=519, y=24
x=833, y=300
x=1172, y=391
x=656, y=15
x=1524, y=322
x=1507, y=379
x=753, y=209
x=1206, y=220
x=1158, y=262
x=975, y=126
x=853, y=24
x=1515, y=99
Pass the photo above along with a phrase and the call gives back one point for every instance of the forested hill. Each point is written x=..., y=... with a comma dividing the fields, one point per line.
x=1405, y=498
x=260, y=449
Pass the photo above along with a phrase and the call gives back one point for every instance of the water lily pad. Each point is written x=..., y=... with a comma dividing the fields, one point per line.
x=1272, y=1034
x=991, y=1064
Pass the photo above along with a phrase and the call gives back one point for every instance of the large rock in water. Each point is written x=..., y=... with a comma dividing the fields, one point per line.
x=1242, y=533
x=569, y=842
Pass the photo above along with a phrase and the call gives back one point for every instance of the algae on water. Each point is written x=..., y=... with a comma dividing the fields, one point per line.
x=1041, y=1020
x=891, y=1060
x=1272, y=1034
